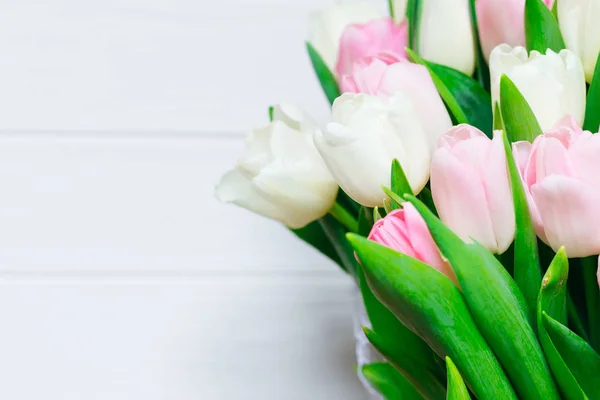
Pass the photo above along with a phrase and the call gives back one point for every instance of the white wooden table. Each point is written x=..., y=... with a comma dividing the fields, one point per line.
x=120, y=276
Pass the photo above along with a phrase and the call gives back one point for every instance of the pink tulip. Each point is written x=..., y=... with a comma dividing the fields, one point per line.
x=561, y=178
x=386, y=74
x=370, y=39
x=501, y=21
x=471, y=189
x=405, y=231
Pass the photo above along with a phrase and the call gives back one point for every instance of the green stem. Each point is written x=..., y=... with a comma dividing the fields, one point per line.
x=575, y=322
x=391, y=7
x=344, y=217
x=592, y=297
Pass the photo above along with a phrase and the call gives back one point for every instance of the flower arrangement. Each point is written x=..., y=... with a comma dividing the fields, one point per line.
x=458, y=183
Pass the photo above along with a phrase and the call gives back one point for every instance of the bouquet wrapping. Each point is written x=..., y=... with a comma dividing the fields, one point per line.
x=458, y=184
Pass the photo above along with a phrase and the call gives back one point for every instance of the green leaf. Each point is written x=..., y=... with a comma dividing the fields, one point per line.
x=391, y=9
x=407, y=351
x=592, y=298
x=421, y=372
x=553, y=300
x=541, y=28
x=376, y=215
x=365, y=221
x=498, y=308
x=314, y=235
x=413, y=15
x=456, y=387
x=527, y=269
x=326, y=77
x=592, y=106
x=580, y=358
x=519, y=120
x=400, y=184
x=271, y=109
x=396, y=201
x=427, y=198
x=390, y=383
x=387, y=206
x=466, y=99
x=498, y=123
x=336, y=235
x=429, y=304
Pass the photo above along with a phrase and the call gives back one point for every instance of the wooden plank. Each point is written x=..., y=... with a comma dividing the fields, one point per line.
x=138, y=64
x=129, y=205
x=221, y=339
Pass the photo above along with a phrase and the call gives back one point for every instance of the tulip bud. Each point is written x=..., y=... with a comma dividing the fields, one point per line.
x=471, y=189
x=405, y=231
x=445, y=34
x=553, y=84
x=327, y=25
x=501, y=21
x=367, y=40
x=579, y=26
x=366, y=134
x=560, y=176
x=385, y=75
x=281, y=176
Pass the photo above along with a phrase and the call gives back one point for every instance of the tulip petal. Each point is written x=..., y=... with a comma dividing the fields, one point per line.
x=460, y=199
x=570, y=214
x=498, y=194
x=327, y=25
x=236, y=188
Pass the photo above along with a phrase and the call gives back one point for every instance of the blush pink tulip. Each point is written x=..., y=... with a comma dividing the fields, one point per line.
x=386, y=74
x=501, y=21
x=370, y=39
x=471, y=189
x=405, y=231
x=561, y=177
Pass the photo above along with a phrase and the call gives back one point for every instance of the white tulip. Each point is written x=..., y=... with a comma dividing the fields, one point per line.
x=580, y=26
x=399, y=10
x=281, y=175
x=445, y=34
x=327, y=26
x=366, y=134
x=553, y=84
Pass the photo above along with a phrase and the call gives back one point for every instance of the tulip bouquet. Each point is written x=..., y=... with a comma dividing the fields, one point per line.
x=458, y=183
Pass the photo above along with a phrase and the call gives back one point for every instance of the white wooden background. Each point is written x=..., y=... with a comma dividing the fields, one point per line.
x=120, y=276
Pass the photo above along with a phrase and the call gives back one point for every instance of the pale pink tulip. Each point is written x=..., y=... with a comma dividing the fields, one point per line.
x=471, y=189
x=561, y=178
x=386, y=74
x=501, y=21
x=370, y=39
x=405, y=231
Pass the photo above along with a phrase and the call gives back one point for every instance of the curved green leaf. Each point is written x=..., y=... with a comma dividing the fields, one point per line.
x=456, y=387
x=429, y=304
x=466, y=99
x=400, y=184
x=553, y=301
x=407, y=351
x=421, y=372
x=580, y=358
x=326, y=77
x=592, y=105
x=527, y=269
x=589, y=265
x=541, y=28
x=519, y=120
x=498, y=308
x=390, y=383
